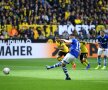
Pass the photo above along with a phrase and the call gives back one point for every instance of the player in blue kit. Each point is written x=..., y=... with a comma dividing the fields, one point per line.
x=103, y=49
x=70, y=57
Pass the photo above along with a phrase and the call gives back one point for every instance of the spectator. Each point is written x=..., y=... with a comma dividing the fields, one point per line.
x=92, y=33
x=42, y=36
x=13, y=32
x=106, y=29
x=25, y=12
x=35, y=32
x=80, y=35
x=65, y=35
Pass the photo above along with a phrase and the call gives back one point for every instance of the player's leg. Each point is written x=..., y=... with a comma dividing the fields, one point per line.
x=100, y=51
x=63, y=64
x=59, y=55
x=59, y=58
x=65, y=71
x=54, y=66
x=66, y=60
x=99, y=62
x=86, y=61
x=73, y=63
x=105, y=59
x=82, y=59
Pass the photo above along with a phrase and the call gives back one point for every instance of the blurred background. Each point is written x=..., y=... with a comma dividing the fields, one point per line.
x=40, y=20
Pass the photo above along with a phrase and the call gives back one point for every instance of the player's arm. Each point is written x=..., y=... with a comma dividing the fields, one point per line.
x=66, y=41
x=60, y=48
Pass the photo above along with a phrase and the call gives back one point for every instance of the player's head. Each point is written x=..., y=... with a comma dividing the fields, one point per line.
x=71, y=36
x=102, y=33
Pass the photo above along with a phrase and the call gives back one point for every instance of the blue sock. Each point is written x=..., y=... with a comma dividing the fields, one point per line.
x=105, y=60
x=65, y=71
x=56, y=65
x=99, y=60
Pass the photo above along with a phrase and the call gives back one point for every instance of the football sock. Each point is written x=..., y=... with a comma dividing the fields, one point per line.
x=65, y=71
x=87, y=62
x=99, y=60
x=56, y=65
x=105, y=60
x=84, y=63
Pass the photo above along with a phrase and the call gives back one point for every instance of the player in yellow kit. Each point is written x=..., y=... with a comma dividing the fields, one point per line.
x=83, y=55
x=63, y=50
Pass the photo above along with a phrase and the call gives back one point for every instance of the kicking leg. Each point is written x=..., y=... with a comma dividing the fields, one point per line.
x=59, y=58
x=54, y=66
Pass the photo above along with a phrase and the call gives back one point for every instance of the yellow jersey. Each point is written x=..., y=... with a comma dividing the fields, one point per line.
x=83, y=47
x=62, y=44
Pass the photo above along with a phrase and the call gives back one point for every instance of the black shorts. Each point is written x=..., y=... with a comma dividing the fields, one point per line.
x=83, y=55
x=60, y=53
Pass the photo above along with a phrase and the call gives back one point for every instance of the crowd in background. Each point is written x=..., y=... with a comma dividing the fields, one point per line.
x=51, y=12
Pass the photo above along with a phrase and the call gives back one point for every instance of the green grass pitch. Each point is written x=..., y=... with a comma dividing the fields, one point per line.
x=31, y=74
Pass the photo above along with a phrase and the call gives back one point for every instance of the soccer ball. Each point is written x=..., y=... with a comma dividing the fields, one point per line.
x=6, y=70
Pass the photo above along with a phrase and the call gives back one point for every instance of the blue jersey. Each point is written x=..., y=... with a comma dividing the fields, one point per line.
x=75, y=48
x=103, y=41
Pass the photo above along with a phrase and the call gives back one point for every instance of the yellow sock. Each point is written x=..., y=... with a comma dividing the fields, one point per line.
x=84, y=63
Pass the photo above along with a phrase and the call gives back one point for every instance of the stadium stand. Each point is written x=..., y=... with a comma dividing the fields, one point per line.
x=39, y=19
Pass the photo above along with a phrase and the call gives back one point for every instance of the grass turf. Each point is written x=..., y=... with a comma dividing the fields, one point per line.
x=31, y=74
